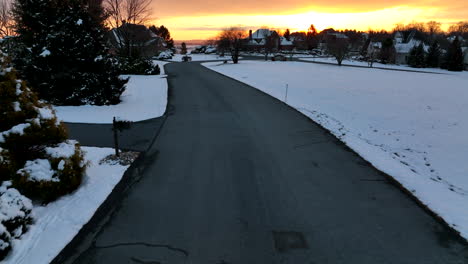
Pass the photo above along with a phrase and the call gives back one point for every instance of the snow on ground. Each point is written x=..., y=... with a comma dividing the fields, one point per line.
x=376, y=64
x=200, y=57
x=57, y=223
x=412, y=126
x=286, y=54
x=144, y=98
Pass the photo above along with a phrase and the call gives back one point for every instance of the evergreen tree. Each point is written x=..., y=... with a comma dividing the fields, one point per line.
x=312, y=38
x=183, y=49
x=416, y=58
x=63, y=53
x=433, y=55
x=454, y=57
x=387, y=53
x=287, y=35
x=34, y=151
x=164, y=33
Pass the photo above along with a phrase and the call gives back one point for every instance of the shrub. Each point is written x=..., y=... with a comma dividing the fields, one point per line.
x=58, y=174
x=5, y=242
x=138, y=66
x=15, y=216
x=35, y=155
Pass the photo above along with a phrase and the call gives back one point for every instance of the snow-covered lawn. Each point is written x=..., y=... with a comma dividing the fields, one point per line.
x=412, y=126
x=286, y=54
x=201, y=57
x=144, y=98
x=376, y=64
x=57, y=223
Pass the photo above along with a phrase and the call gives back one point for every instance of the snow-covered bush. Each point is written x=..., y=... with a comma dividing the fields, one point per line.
x=35, y=153
x=15, y=216
x=4, y=165
x=138, y=66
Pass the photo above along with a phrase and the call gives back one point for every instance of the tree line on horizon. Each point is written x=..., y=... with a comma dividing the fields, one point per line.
x=445, y=46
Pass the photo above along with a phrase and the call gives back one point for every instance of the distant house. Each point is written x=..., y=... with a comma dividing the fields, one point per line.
x=285, y=44
x=403, y=46
x=374, y=49
x=465, y=61
x=259, y=39
x=135, y=38
x=330, y=34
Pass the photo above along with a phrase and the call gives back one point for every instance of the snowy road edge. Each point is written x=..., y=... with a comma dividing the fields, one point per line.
x=100, y=217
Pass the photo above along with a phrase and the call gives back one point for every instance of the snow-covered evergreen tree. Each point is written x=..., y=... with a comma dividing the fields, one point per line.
x=63, y=54
x=35, y=153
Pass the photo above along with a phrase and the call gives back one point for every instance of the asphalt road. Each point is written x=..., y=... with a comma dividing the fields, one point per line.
x=241, y=178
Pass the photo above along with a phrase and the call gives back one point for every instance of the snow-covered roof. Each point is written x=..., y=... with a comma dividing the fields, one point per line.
x=406, y=47
x=262, y=33
x=256, y=42
x=339, y=35
x=376, y=44
x=285, y=42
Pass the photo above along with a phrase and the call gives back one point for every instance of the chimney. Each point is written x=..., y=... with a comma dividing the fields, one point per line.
x=250, y=34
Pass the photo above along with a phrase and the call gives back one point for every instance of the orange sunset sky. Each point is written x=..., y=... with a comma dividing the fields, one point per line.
x=195, y=19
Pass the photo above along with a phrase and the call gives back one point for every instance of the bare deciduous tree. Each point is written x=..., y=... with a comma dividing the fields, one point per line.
x=128, y=11
x=460, y=28
x=232, y=39
x=6, y=20
x=124, y=12
x=338, y=47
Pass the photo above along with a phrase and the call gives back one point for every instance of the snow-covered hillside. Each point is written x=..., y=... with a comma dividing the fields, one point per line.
x=412, y=126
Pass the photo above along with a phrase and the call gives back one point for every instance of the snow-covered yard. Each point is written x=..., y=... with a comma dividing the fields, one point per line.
x=57, y=223
x=144, y=98
x=376, y=64
x=412, y=126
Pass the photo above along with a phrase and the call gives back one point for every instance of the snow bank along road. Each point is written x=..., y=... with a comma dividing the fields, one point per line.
x=241, y=178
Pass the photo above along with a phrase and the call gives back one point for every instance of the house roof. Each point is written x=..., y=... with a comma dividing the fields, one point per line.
x=139, y=34
x=262, y=33
x=256, y=42
x=285, y=42
x=406, y=47
x=339, y=35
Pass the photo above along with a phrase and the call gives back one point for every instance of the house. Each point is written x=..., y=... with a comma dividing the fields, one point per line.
x=261, y=39
x=328, y=35
x=135, y=38
x=285, y=44
x=403, y=46
x=374, y=49
x=465, y=60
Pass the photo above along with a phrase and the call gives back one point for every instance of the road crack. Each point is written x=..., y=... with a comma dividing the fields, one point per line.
x=169, y=247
